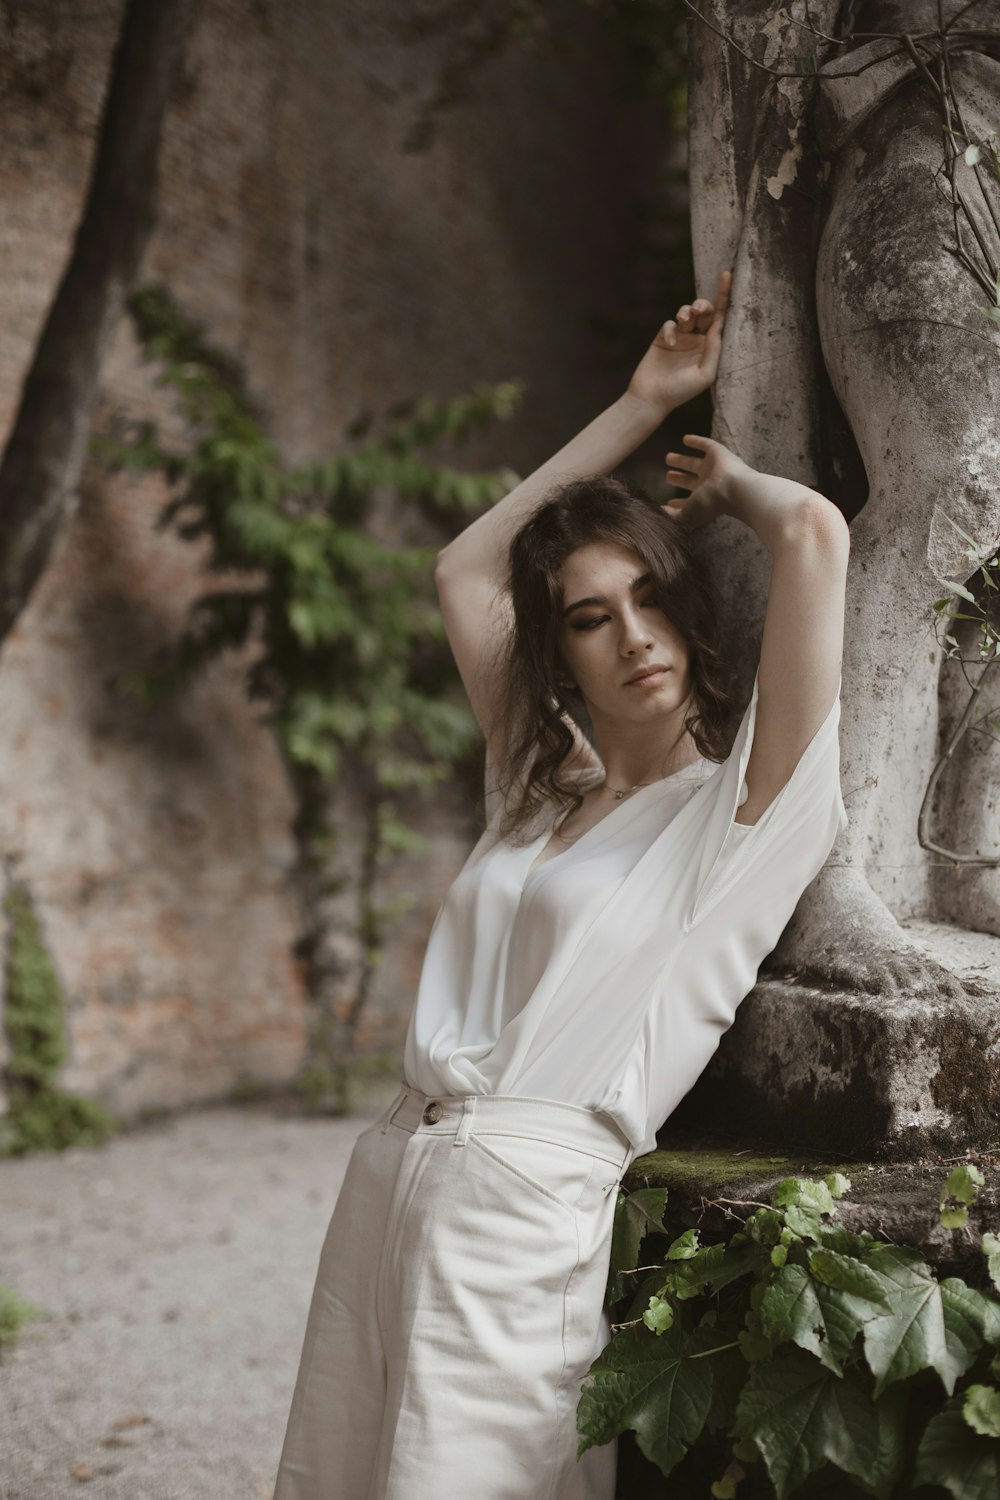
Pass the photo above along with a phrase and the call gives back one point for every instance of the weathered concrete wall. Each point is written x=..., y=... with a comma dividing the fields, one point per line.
x=344, y=272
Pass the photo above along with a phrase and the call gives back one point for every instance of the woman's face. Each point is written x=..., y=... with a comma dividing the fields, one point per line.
x=611, y=629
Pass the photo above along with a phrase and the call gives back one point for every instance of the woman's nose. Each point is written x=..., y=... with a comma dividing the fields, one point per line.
x=635, y=632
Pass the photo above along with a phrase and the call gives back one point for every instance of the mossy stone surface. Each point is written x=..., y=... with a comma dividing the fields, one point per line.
x=713, y=1185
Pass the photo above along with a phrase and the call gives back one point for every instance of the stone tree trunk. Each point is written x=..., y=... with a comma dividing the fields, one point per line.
x=858, y=358
x=45, y=452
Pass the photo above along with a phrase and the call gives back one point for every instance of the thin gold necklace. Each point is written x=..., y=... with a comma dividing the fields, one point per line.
x=624, y=793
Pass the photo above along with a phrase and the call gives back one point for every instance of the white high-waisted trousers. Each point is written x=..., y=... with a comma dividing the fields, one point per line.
x=459, y=1303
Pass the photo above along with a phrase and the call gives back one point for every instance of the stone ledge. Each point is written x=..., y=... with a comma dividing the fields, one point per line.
x=893, y=1201
x=886, y=1079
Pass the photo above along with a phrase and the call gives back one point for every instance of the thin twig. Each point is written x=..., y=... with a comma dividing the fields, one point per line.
x=943, y=759
x=734, y=1203
x=961, y=125
x=808, y=73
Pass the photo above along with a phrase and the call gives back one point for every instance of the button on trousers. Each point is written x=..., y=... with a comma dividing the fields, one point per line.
x=458, y=1305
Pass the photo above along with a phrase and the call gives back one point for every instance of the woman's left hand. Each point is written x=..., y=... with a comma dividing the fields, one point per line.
x=683, y=359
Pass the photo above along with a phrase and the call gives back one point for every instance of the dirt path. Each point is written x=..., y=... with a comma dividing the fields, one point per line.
x=175, y=1266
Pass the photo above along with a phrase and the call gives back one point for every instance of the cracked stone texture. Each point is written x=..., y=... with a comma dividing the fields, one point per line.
x=175, y=1265
x=887, y=1077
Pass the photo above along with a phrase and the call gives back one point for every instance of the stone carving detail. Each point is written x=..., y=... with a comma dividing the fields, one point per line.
x=858, y=359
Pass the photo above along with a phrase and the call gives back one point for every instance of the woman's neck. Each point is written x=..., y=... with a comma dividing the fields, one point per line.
x=636, y=755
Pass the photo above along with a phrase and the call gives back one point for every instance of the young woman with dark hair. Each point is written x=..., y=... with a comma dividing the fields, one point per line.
x=633, y=873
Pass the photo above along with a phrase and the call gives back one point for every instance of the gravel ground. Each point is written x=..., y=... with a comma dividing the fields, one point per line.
x=175, y=1266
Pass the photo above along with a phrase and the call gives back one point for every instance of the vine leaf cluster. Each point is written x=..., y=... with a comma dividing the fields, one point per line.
x=338, y=621
x=798, y=1345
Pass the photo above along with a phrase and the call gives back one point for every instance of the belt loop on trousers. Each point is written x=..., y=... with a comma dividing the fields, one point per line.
x=465, y=1123
x=390, y=1112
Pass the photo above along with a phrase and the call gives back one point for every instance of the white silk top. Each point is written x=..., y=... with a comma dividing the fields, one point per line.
x=606, y=976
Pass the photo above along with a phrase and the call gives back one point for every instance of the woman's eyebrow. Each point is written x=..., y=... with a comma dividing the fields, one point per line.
x=635, y=585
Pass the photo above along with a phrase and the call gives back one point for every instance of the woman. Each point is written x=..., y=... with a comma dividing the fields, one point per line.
x=584, y=963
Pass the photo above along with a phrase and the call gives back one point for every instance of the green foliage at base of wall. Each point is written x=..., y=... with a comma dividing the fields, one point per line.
x=40, y=1116
x=798, y=1357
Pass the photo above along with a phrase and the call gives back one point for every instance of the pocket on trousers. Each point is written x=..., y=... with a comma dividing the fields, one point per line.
x=560, y=1173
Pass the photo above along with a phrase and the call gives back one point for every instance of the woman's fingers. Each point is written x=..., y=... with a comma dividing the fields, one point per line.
x=688, y=461
x=682, y=470
x=695, y=317
x=704, y=312
x=701, y=315
x=694, y=441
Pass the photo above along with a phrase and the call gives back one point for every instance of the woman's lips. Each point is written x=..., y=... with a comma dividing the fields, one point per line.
x=651, y=679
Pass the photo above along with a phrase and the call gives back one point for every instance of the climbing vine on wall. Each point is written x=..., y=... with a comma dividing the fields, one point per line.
x=347, y=652
x=798, y=1346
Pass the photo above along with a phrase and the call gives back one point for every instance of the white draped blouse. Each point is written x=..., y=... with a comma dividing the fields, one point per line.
x=606, y=976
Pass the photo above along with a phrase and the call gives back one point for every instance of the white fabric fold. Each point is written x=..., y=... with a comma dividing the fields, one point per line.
x=606, y=976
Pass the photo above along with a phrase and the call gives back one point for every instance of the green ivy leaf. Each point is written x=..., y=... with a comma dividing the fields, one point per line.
x=801, y=1191
x=991, y=1249
x=981, y=1409
x=961, y=1461
x=635, y=1215
x=654, y=1386
x=986, y=1310
x=964, y=1182
x=714, y=1267
x=650, y=1285
x=746, y=1451
x=801, y=1416
x=791, y=1313
x=958, y=588
x=659, y=1315
x=765, y=1226
x=685, y=1246
x=936, y=1325
x=725, y=1488
x=803, y=1220
x=846, y=1274
x=823, y=1319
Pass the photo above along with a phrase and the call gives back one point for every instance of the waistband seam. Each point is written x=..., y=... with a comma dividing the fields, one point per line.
x=459, y=1122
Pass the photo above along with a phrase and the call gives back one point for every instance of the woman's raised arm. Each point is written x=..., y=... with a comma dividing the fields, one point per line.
x=469, y=573
x=803, y=640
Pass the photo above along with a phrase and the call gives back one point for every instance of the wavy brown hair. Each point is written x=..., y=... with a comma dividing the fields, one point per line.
x=534, y=698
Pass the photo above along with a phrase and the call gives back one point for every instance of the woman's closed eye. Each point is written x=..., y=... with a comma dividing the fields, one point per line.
x=591, y=621
x=588, y=624
x=599, y=619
